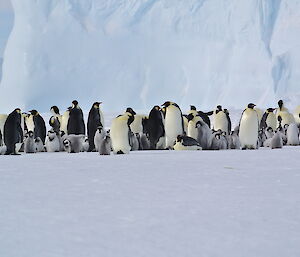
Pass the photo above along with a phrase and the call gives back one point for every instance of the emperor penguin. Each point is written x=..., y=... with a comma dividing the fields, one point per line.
x=221, y=121
x=29, y=143
x=173, y=123
x=233, y=139
x=64, y=120
x=73, y=143
x=193, y=117
x=205, y=116
x=39, y=125
x=248, y=131
x=39, y=145
x=134, y=141
x=13, y=132
x=186, y=143
x=297, y=115
x=56, y=119
x=3, y=118
x=76, y=124
x=284, y=114
x=155, y=127
x=105, y=147
x=137, y=125
x=276, y=141
x=52, y=142
x=269, y=132
x=120, y=133
x=85, y=145
x=99, y=136
x=204, y=135
x=292, y=134
x=95, y=120
x=268, y=119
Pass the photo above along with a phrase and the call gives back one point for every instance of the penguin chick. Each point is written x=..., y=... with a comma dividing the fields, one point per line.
x=276, y=141
x=39, y=145
x=99, y=136
x=186, y=143
x=105, y=147
x=29, y=144
x=52, y=142
x=74, y=143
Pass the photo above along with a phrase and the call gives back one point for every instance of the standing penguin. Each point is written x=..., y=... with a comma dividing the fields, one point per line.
x=76, y=121
x=56, y=119
x=52, y=142
x=105, y=147
x=292, y=134
x=120, y=133
x=95, y=120
x=276, y=141
x=268, y=119
x=221, y=120
x=155, y=127
x=248, y=132
x=29, y=143
x=173, y=123
x=64, y=121
x=13, y=132
x=98, y=138
x=39, y=125
x=284, y=114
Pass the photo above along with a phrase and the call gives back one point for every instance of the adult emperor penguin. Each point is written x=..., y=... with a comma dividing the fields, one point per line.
x=173, y=123
x=29, y=143
x=120, y=132
x=13, y=132
x=248, y=132
x=76, y=121
x=64, y=121
x=220, y=120
x=228, y=119
x=95, y=120
x=3, y=118
x=56, y=119
x=297, y=115
x=292, y=134
x=186, y=143
x=268, y=119
x=155, y=127
x=283, y=112
x=39, y=125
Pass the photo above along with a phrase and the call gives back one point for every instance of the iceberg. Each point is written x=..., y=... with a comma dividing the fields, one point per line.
x=140, y=53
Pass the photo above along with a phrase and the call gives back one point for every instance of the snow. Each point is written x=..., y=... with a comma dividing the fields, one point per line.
x=143, y=52
x=151, y=203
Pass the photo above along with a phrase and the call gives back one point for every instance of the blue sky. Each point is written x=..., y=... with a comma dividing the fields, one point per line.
x=6, y=23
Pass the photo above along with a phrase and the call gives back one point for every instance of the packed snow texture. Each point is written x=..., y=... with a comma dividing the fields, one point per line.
x=151, y=203
x=142, y=52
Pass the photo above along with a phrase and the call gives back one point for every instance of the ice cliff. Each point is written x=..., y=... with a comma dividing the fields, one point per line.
x=142, y=52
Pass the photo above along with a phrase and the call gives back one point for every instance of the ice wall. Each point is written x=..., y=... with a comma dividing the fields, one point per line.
x=142, y=52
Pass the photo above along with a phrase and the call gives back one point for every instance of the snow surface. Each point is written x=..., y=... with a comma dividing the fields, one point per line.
x=142, y=52
x=152, y=203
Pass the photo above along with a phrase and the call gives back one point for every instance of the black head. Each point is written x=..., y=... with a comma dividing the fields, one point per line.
x=69, y=108
x=179, y=138
x=30, y=134
x=99, y=128
x=34, y=112
x=280, y=103
x=130, y=110
x=193, y=108
x=269, y=129
x=156, y=107
x=75, y=103
x=97, y=104
x=18, y=110
x=270, y=109
x=130, y=119
x=55, y=109
x=251, y=105
x=226, y=111
x=166, y=104
x=190, y=117
x=219, y=107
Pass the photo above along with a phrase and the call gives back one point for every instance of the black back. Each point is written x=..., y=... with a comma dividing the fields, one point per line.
x=263, y=122
x=155, y=126
x=13, y=132
x=204, y=117
x=94, y=121
x=39, y=127
x=76, y=122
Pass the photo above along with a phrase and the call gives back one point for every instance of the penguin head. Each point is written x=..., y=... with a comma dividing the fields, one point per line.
x=156, y=107
x=193, y=108
x=34, y=112
x=96, y=105
x=269, y=129
x=54, y=109
x=18, y=110
x=219, y=108
x=30, y=134
x=190, y=117
x=251, y=105
x=67, y=143
x=280, y=104
x=226, y=111
x=74, y=104
x=179, y=138
x=130, y=110
x=130, y=118
x=166, y=104
x=51, y=134
x=270, y=110
x=100, y=128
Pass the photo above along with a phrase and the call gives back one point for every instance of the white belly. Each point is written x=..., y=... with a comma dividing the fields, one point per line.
x=29, y=123
x=119, y=135
x=271, y=121
x=221, y=122
x=249, y=129
x=173, y=125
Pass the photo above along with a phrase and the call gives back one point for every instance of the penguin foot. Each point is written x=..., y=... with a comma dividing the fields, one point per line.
x=120, y=152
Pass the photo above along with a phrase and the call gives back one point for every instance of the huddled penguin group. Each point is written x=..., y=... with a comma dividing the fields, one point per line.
x=165, y=127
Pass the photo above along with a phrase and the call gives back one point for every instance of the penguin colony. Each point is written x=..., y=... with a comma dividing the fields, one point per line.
x=166, y=127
